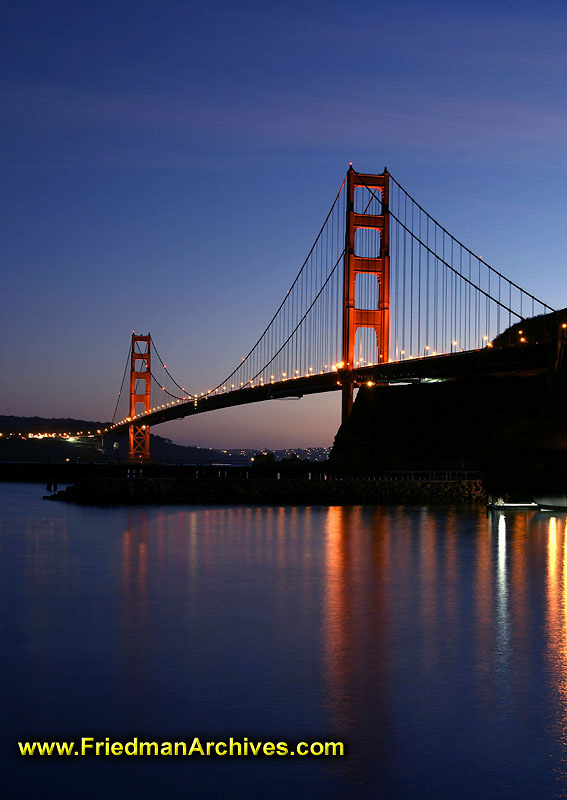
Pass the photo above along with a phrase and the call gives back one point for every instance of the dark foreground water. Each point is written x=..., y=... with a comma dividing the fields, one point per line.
x=432, y=641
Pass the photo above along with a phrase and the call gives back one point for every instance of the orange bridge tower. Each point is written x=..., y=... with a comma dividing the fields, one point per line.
x=140, y=394
x=377, y=265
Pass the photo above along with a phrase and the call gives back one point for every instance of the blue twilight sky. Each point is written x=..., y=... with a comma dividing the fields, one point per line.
x=166, y=165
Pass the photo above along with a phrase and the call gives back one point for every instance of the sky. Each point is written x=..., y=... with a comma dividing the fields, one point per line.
x=167, y=165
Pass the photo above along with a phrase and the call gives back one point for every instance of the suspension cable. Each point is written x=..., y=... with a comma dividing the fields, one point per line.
x=228, y=377
x=442, y=260
x=121, y=385
x=456, y=271
x=266, y=329
x=454, y=238
x=169, y=373
x=337, y=262
x=159, y=383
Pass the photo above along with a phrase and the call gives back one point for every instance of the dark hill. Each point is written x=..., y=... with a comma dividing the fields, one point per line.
x=512, y=427
x=11, y=424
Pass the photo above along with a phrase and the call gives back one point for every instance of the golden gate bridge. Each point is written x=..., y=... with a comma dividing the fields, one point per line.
x=386, y=294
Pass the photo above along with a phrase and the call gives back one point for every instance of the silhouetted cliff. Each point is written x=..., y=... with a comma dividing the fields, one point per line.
x=514, y=428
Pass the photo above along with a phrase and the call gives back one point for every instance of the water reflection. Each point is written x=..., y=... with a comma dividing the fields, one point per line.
x=557, y=621
x=396, y=614
x=432, y=640
x=396, y=591
x=134, y=602
x=502, y=621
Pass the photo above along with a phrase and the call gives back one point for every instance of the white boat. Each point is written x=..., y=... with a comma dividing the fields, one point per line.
x=500, y=503
x=553, y=502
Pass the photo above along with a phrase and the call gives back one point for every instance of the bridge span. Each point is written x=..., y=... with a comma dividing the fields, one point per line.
x=385, y=295
x=520, y=360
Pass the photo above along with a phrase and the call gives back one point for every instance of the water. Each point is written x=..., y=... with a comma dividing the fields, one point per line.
x=432, y=641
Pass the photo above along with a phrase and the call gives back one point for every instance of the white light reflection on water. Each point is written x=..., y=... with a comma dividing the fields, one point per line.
x=502, y=618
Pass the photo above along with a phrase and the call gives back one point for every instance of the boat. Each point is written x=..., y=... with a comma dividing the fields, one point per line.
x=553, y=502
x=500, y=504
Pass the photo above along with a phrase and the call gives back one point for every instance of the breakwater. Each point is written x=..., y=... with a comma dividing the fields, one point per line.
x=266, y=491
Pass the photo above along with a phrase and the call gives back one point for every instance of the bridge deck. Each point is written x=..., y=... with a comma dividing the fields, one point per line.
x=526, y=359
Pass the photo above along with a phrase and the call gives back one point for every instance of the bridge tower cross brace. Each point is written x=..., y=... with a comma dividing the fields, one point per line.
x=139, y=432
x=353, y=317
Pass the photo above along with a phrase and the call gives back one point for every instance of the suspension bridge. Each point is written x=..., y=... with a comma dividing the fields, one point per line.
x=385, y=295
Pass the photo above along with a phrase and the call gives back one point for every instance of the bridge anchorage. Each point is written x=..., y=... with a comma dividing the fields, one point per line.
x=385, y=295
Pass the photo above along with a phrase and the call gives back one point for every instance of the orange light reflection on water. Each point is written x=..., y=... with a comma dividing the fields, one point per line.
x=557, y=616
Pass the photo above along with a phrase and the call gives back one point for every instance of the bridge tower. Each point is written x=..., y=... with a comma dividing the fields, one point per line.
x=379, y=265
x=139, y=432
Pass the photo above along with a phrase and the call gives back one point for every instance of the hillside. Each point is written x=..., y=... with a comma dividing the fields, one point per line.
x=19, y=441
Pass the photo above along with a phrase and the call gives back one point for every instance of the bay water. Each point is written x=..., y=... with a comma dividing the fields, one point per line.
x=431, y=641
